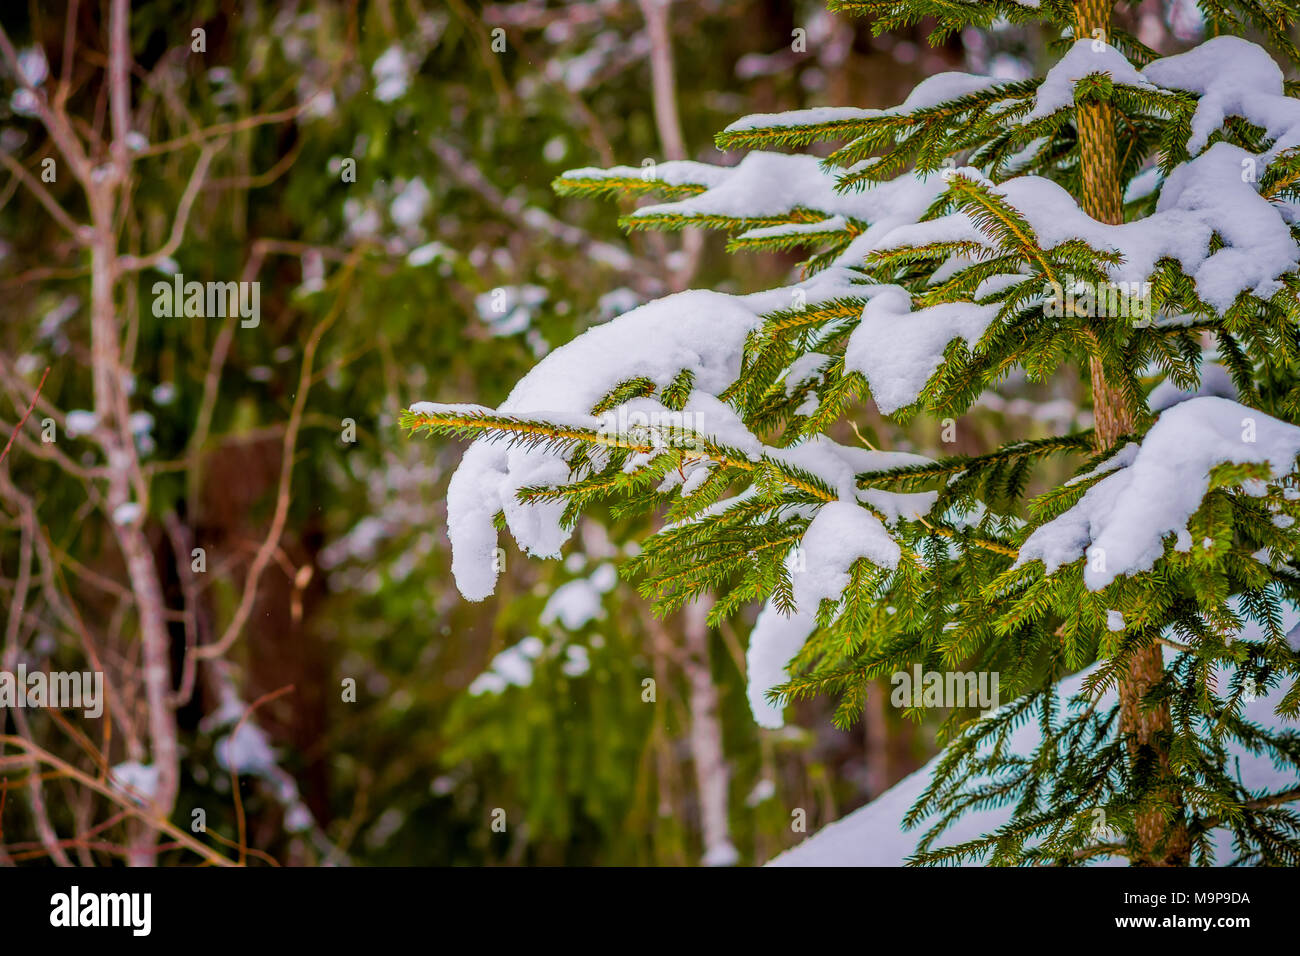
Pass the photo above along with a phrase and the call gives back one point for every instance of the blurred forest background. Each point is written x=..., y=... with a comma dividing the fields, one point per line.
x=224, y=518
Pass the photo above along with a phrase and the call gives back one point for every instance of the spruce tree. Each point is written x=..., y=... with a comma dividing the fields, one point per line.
x=1127, y=215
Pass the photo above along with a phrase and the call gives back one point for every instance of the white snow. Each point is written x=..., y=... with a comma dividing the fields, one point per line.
x=930, y=92
x=392, y=73
x=1233, y=77
x=1120, y=523
x=806, y=368
x=80, y=422
x=1147, y=492
x=775, y=639
x=898, y=350
x=807, y=117
x=576, y=661
x=721, y=854
x=576, y=603
x=767, y=185
x=410, y=204
x=509, y=310
x=839, y=534
x=703, y=331
x=33, y=65
x=1204, y=197
x=512, y=667
x=139, y=779
x=764, y=790
x=798, y=229
x=1083, y=59
x=246, y=751
x=675, y=172
x=429, y=252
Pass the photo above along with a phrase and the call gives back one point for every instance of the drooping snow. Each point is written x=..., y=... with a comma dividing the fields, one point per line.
x=898, y=350
x=840, y=533
x=1121, y=522
x=701, y=331
x=775, y=639
x=1233, y=77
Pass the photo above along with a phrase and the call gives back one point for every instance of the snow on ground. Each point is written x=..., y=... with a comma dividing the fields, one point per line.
x=873, y=835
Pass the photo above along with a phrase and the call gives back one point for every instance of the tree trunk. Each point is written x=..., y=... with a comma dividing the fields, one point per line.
x=706, y=739
x=1148, y=728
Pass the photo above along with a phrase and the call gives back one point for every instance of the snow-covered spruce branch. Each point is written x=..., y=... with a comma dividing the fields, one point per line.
x=554, y=438
x=1166, y=179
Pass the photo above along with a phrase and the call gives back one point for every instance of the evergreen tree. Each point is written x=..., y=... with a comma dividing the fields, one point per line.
x=1119, y=215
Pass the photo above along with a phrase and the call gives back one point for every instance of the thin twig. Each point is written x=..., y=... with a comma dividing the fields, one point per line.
x=23, y=421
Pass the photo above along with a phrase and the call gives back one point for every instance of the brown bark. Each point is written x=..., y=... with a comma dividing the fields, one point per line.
x=876, y=732
x=1149, y=728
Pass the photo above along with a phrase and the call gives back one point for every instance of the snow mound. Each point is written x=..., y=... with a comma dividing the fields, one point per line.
x=1121, y=522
